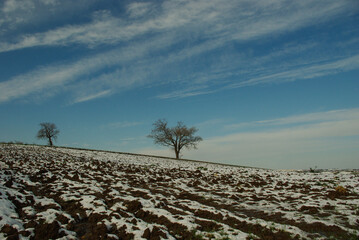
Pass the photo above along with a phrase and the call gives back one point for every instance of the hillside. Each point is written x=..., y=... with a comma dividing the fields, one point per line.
x=63, y=193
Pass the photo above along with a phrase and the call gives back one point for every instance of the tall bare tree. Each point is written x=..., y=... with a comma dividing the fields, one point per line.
x=177, y=137
x=48, y=131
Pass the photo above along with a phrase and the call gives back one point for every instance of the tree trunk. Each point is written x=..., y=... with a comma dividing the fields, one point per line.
x=50, y=141
x=177, y=153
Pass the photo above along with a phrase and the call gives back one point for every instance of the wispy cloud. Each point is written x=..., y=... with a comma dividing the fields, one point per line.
x=223, y=20
x=324, y=138
x=97, y=32
x=139, y=9
x=306, y=72
x=65, y=75
x=154, y=42
x=309, y=118
x=124, y=124
x=189, y=92
x=108, y=29
x=38, y=80
x=49, y=77
x=216, y=79
x=212, y=122
x=93, y=96
x=24, y=15
x=137, y=74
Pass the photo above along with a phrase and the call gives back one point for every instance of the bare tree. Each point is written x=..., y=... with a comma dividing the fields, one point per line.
x=48, y=131
x=177, y=137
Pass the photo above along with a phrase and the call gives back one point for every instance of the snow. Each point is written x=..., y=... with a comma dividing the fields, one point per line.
x=138, y=193
x=7, y=211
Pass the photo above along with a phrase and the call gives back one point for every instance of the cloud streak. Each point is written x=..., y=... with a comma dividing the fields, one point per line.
x=310, y=118
x=307, y=72
x=155, y=43
x=24, y=15
x=309, y=140
x=93, y=96
x=123, y=124
x=65, y=75
x=216, y=81
x=225, y=21
x=45, y=78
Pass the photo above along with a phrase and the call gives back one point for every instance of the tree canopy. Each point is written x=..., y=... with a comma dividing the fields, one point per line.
x=177, y=137
x=48, y=131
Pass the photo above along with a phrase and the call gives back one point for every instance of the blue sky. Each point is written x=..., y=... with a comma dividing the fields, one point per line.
x=268, y=83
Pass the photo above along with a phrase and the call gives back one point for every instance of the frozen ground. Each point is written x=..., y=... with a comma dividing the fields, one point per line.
x=57, y=193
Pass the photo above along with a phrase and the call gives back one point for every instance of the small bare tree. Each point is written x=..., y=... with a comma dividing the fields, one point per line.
x=48, y=131
x=177, y=137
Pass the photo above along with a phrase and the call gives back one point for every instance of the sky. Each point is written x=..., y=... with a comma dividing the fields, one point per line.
x=268, y=83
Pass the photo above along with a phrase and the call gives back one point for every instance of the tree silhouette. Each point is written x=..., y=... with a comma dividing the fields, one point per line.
x=177, y=137
x=48, y=131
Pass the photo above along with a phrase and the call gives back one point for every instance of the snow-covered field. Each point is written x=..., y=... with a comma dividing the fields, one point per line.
x=52, y=193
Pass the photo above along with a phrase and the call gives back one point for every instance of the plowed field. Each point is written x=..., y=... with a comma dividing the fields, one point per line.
x=58, y=193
